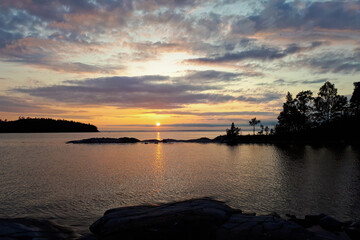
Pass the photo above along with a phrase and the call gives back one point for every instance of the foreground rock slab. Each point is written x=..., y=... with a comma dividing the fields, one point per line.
x=31, y=229
x=194, y=219
x=198, y=219
x=202, y=219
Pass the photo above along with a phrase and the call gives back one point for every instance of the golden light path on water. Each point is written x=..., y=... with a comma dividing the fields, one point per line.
x=158, y=166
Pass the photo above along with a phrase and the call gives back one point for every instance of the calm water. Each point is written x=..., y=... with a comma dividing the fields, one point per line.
x=42, y=177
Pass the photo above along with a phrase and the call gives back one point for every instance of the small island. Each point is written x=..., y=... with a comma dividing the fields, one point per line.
x=42, y=125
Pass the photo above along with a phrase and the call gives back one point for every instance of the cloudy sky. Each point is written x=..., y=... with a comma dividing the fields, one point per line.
x=187, y=64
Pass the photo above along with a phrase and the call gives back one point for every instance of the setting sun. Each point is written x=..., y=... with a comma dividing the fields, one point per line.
x=158, y=124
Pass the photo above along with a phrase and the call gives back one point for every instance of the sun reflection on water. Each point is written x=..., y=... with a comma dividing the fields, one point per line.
x=158, y=166
x=159, y=161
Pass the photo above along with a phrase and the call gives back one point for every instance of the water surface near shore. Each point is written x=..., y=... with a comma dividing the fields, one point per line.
x=43, y=177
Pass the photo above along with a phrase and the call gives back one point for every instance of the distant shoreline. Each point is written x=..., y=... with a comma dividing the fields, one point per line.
x=44, y=125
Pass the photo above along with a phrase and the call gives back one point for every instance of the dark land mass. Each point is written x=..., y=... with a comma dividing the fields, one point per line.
x=105, y=140
x=334, y=133
x=39, y=125
x=195, y=219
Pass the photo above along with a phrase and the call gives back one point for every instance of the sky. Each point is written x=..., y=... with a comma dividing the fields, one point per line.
x=126, y=65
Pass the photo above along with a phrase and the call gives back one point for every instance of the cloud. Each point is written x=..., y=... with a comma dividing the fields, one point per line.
x=152, y=92
x=52, y=55
x=12, y=104
x=263, y=53
x=80, y=21
x=304, y=16
x=16, y=25
x=334, y=62
x=210, y=76
x=149, y=91
x=321, y=80
x=263, y=98
x=282, y=82
x=86, y=37
x=239, y=113
x=195, y=27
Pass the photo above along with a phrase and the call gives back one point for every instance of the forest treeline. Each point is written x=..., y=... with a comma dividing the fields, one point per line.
x=327, y=117
x=306, y=112
x=24, y=125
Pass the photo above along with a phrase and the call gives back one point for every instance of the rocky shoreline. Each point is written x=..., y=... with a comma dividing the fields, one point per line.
x=135, y=140
x=198, y=219
x=223, y=139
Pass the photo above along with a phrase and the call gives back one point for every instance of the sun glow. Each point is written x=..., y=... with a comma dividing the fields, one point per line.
x=158, y=124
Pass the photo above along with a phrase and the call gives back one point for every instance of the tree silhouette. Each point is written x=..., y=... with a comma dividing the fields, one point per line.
x=261, y=132
x=233, y=131
x=267, y=130
x=329, y=104
x=355, y=99
x=328, y=116
x=253, y=122
x=290, y=119
x=304, y=103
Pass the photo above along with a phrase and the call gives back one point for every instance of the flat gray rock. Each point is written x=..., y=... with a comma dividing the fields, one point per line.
x=194, y=219
x=191, y=219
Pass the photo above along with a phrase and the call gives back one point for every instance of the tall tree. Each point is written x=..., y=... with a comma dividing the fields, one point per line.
x=329, y=104
x=290, y=119
x=355, y=99
x=304, y=102
x=253, y=122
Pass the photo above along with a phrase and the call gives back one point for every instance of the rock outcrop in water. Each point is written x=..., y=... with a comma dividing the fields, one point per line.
x=106, y=140
x=196, y=219
x=224, y=139
x=134, y=140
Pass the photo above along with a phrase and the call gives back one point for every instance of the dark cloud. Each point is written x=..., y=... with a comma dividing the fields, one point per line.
x=322, y=80
x=78, y=21
x=153, y=92
x=243, y=123
x=82, y=21
x=333, y=62
x=139, y=92
x=241, y=113
x=211, y=76
x=21, y=106
x=260, y=53
x=261, y=98
x=196, y=125
x=12, y=104
x=44, y=54
x=305, y=16
x=282, y=82
x=16, y=25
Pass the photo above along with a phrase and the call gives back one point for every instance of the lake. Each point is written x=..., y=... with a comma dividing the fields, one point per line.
x=43, y=177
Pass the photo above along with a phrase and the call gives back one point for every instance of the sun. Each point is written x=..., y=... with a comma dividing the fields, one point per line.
x=158, y=124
